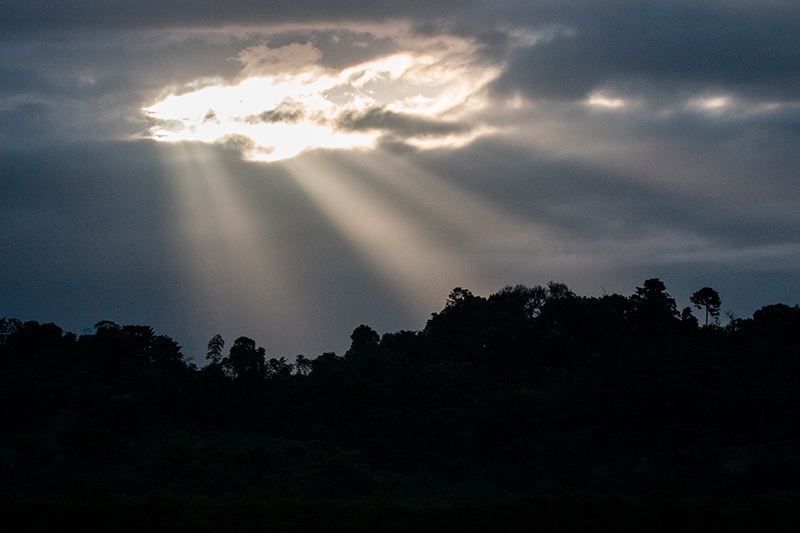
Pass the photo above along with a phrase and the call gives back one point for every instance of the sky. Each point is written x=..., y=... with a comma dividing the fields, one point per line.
x=287, y=171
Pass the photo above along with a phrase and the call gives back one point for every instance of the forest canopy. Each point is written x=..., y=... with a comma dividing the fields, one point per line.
x=527, y=390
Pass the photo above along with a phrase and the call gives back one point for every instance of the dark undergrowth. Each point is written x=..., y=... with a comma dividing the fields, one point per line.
x=531, y=409
x=568, y=510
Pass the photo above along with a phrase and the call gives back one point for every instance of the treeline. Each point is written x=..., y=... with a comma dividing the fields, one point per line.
x=530, y=390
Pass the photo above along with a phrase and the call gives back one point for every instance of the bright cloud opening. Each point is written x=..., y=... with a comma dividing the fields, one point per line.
x=287, y=103
x=713, y=103
x=600, y=100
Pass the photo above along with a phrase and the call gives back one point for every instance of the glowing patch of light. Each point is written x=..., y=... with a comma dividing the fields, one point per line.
x=451, y=142
x=717, y=102
x=602, y=101
x=712, y=105
x=281, y=114
x=731, y=107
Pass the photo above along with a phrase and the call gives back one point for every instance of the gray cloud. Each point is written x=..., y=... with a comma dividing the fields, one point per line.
x=15, y=80
x=287, y=111
x=752, y=50
x=24, y=123
x=237, y=142
x=588, y=202
x=399, y=124
x=22, y=16
x=339, y=48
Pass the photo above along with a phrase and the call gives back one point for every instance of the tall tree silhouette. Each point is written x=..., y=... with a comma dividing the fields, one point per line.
x=654, y=309
x=707, y=298
x=215, y=346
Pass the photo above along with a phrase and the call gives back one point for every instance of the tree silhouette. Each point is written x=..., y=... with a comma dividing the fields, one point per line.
x=364, y=341
x=215, y=346
x=688, y=318
x=653, y=308
x=245, y=360
x=303, y=365
x=459, y=296
x=533, y=389
x=707, y=298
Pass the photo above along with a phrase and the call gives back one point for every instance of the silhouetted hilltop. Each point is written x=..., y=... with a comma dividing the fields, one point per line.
x=528, y=391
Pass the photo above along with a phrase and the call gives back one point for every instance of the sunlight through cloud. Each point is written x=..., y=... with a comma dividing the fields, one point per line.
x=605, y=101
x=284, y=103
x=421, y=234
x=411, y=259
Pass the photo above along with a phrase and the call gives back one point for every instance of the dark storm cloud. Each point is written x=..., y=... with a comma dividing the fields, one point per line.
x=399, y=124
x=18, y=16
x=15, y=80
x=36, y=82
x=25, y=122
x=95, y=86
x=749, y=49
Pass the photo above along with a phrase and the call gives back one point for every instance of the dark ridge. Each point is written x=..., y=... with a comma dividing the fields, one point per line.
x=534, y=406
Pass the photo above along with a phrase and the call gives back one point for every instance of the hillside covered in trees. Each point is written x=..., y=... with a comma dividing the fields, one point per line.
x=531, y=392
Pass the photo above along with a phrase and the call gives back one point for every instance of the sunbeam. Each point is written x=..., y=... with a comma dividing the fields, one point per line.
x=228, y=252
x=464, y=217
x=496, y=243
x=413, y=259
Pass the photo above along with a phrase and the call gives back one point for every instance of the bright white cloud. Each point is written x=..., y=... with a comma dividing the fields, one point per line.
x=285, y=102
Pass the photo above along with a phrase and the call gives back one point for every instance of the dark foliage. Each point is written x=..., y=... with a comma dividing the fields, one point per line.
x=528, y=391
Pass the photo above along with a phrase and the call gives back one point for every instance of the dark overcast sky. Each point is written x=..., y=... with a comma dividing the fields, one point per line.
x=601, y=143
